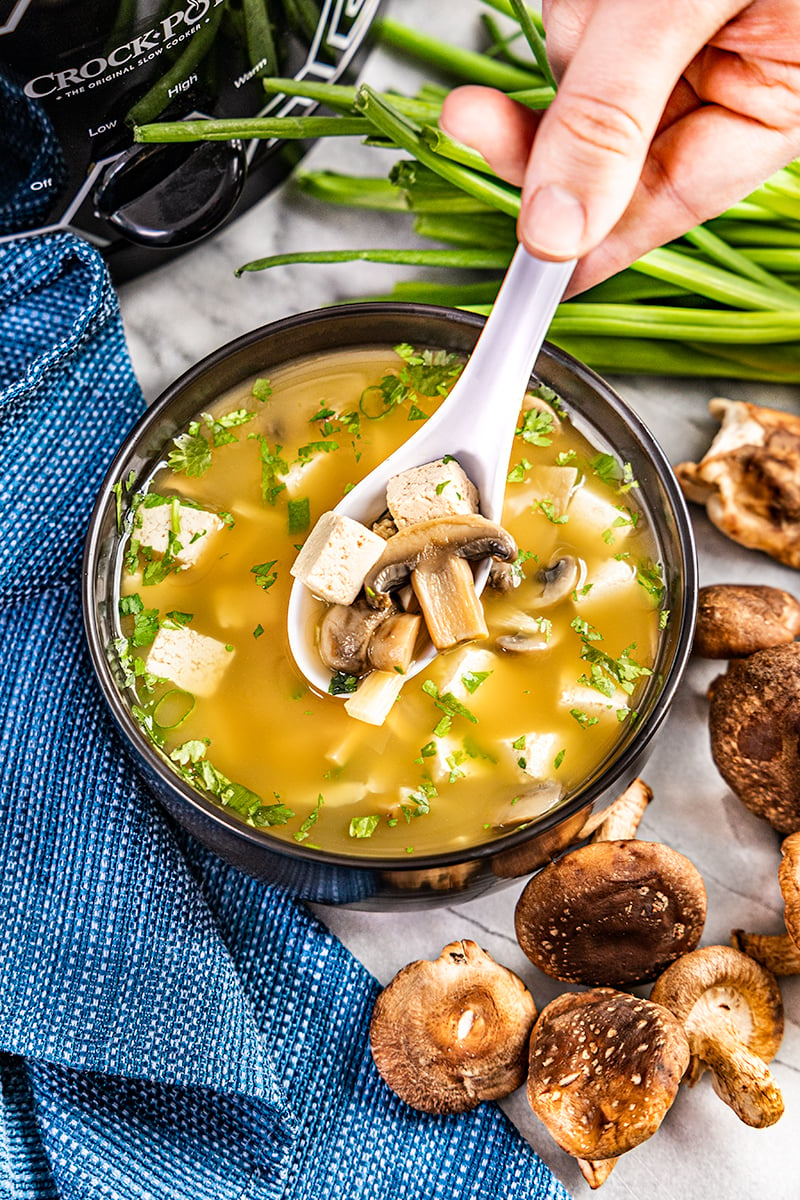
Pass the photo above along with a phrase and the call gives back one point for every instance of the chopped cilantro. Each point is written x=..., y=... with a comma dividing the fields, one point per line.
x=473, y=680
x=517, y=573
x=447, y=702
x=264, y=573
x=299, y=515
x=623, y=670
x=443, y=727
x=129, y=606
x=145, y=626
x=454, y=761
x=428, y=372
x=176, y=619
x=427, y=751
x=517, y=473
x=548, y=508
x=519, y=743
x=262, y=390
x=342, y=684
x=305, y=453
x=559, y=758
x=583, y=719
x=565, y=457
x=650, y=577
x=663, y=618
x=259, y=629
x=191, y=452
x=272, y=465
x=364, y=827
x=310, y=821
x=537, y=428
x=271, y=814
x=587, y=631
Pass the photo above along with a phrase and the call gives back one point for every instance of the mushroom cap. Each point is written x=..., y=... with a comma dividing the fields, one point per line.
x=719, y=987
x=559, y=579
x=604, y=1069
x=789, y=880
x=465, y=535
x=734, y=620
x=344, y=635
x=753, y=719
x=447, y=1034
x=611, y=913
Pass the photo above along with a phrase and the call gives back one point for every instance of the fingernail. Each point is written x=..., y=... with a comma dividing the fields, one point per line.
x=553, y=221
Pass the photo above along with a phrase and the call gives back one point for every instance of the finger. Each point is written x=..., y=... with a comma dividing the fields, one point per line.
x=766, y=91
x=591, y=144
x=564, y=22
x=497, y=127
x=697, y=168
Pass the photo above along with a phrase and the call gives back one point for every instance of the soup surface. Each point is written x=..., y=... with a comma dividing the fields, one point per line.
x=488, y=737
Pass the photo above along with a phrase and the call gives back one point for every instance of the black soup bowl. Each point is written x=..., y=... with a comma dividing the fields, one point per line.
x=349, y=879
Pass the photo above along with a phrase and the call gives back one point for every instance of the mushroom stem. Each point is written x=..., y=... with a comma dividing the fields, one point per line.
x=777, y=952
x=450, y=605
x=621, y=820
x=739, y=1077
x=596, y=1171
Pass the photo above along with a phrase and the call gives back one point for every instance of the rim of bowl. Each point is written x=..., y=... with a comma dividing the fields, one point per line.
x=606, y=775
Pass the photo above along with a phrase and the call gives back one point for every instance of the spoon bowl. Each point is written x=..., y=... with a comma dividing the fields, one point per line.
x=475, y=425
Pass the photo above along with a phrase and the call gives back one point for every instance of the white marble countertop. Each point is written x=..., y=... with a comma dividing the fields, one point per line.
x=178, y=313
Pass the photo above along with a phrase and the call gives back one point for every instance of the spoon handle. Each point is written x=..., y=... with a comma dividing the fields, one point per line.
x=493, y=383
x=476, y=422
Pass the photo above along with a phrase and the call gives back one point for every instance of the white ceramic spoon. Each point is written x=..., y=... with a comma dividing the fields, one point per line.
x=475, y=424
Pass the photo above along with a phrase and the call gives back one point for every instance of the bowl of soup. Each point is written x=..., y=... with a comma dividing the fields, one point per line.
x=485, y=764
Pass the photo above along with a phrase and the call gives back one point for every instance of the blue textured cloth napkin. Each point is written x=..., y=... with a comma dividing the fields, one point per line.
x=168, y=1027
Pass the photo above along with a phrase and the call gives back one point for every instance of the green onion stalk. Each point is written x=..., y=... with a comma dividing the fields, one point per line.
x=724, y=300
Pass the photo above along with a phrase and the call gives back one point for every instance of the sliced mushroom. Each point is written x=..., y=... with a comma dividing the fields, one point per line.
x=753, y=719
x=559, y=579
x=604, y=1069
x=524, y=808
x=731, y=1010
x=734, y=620
x=435, y=555
x=345, y=632
x=447, y=1034
x=503, y=577
x=611, y=913
x=391, y=647
x=524, y=643
x=780, y=952
x=749, y=479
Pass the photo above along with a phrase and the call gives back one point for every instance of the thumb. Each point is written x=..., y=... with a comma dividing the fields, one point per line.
x=592, y=142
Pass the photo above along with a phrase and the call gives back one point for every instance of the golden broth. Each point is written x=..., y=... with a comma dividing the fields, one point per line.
x=451, y=766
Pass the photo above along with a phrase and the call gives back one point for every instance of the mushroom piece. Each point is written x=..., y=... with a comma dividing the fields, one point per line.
x=731, y=1009
x=622, y=818
x=611, y=913
x=734, y=620
x=344, y=636
x=559, y=579
x=435, y=555
x=753, y=719
x=604, y=1069
x=391, y=647
x=749, y=479
x=447, y=1034
x=780, y=952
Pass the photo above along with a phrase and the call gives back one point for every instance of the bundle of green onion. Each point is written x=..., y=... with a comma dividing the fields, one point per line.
x=722, y=301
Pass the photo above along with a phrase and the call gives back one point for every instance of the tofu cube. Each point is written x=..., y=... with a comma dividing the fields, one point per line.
x=153, y=526
x=189, y=659
x=551, y=485
x=437, y=489
x=589, y=700
x=536, y=754
x=594, y=512
x=613, y=575
x=465, y=661
x=336, y=556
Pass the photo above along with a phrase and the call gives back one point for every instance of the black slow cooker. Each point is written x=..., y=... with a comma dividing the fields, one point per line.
x=75, y=77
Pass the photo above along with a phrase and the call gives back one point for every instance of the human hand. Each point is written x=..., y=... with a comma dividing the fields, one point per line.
x=667, y=112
